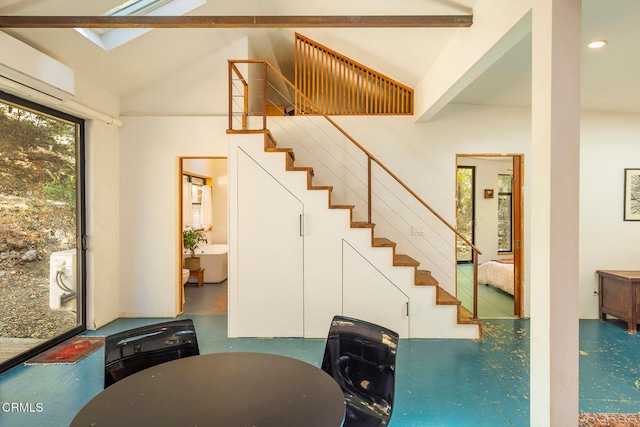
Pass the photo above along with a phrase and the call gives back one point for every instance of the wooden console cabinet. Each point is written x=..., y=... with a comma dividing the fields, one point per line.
x=619, y=296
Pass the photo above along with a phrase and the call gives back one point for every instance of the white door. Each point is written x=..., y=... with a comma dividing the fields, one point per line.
x=270, y=255
x=371, y=296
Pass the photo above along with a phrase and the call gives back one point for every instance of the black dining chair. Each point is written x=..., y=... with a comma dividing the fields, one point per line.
x=361, y=357
x=136, y=349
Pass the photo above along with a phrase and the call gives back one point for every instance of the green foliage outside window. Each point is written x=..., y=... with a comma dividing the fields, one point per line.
x=505, y=215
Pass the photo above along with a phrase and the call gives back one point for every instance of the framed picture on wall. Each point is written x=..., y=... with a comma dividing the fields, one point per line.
x=488, y=193
x=632, y=194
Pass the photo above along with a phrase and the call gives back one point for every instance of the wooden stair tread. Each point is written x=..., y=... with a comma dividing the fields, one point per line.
x=405, y=260
x=341, y=206
x=362, y=225
x=466, y=317
x=302, y=168
x=424, y=278
x=290, y=155
x=320, y=187
x=383, y=242
x=445, y=298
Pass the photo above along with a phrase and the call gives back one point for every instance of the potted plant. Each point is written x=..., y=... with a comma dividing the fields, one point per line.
x=190, y=240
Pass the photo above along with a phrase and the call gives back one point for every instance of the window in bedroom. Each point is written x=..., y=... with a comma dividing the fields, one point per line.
x=465, y=212
x=505, y=213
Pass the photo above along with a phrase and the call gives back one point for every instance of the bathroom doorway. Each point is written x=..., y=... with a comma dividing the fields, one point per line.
x=203, y=184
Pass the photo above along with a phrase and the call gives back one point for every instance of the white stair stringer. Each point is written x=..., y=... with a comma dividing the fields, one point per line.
x=343, y=273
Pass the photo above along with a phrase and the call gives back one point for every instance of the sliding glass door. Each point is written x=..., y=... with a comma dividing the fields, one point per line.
x=41, y=229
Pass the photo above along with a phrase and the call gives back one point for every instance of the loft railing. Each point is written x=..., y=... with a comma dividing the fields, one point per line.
x=269, y=95
x=339, y=85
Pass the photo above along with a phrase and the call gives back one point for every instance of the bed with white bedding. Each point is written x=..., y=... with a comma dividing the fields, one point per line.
x=497, y=274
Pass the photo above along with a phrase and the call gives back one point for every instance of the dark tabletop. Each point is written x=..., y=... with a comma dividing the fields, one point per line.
x=222, y=389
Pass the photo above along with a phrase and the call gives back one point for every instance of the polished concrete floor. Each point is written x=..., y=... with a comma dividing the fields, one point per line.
x=439, y=382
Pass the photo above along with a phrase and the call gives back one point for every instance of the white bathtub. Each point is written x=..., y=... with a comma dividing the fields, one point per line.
x=213, y=258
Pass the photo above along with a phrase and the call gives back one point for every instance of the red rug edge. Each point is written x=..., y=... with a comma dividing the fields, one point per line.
x=94, y=344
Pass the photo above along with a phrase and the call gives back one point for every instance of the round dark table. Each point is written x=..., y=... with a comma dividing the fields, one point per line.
x=222, y=389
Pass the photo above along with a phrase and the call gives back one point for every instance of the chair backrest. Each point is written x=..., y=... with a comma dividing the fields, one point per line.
x=361, y=357
x=131, y=351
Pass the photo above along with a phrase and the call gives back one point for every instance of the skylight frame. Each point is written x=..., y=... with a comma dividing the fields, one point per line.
x=110, y=38
x=131, y=8
x=136, y=7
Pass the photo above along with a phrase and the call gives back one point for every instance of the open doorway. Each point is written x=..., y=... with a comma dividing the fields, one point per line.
x=489, y=213
x=203, y=208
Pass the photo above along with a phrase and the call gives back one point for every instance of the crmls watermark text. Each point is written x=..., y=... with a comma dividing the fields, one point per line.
x=21, y=407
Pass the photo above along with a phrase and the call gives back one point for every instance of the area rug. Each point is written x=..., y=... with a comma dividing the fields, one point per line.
x=609, y=420
x=69, y=352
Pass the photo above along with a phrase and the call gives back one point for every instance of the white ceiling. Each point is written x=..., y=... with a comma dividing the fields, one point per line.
x=609, y=79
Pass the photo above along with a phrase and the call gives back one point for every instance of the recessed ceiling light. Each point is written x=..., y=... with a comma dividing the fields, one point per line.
x=595, y=44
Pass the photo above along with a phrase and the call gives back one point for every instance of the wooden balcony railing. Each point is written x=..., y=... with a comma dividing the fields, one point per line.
x=342, y=86
x=268, y=96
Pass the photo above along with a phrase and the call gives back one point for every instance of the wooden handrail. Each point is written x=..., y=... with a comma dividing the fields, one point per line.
x=342, y=86
x=364, y=150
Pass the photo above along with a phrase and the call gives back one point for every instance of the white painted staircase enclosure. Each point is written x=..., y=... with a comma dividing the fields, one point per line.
x=294, y=263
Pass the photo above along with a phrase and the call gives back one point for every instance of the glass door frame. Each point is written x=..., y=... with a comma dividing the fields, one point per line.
x=81, y=291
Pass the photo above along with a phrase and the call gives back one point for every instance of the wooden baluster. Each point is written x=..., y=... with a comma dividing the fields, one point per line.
x=343, y=98
x=296, y=65
x=311, y=66
x=354, y=89
x=230, y=95
x=309, y=54
x=334, y=92
x=245, y=106
x=369, y=189
x=475, y=284
x=323, y=91
x=264, y=96
x=385, y=104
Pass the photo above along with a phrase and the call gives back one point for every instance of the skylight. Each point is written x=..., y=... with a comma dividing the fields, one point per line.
x=136, y=7
x=110, y=38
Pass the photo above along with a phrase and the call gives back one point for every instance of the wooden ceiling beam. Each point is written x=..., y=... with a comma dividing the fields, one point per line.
x=370, y=21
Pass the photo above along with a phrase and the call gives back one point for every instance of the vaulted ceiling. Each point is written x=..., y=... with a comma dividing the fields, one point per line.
x=609, y=79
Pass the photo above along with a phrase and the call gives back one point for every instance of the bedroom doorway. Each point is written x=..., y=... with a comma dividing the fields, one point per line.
x=489, y=213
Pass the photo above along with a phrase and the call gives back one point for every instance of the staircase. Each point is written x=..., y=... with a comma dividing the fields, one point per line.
x=420, y=277
x=297, y=259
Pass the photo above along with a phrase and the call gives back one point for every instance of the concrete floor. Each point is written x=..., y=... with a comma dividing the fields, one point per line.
x=438, y=383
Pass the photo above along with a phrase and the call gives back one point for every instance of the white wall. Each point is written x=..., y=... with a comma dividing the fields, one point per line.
x=220, y=202
x=102, y=167
x=183, y=115
x=150, y=245
x=199, y=89
x=609, y=144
